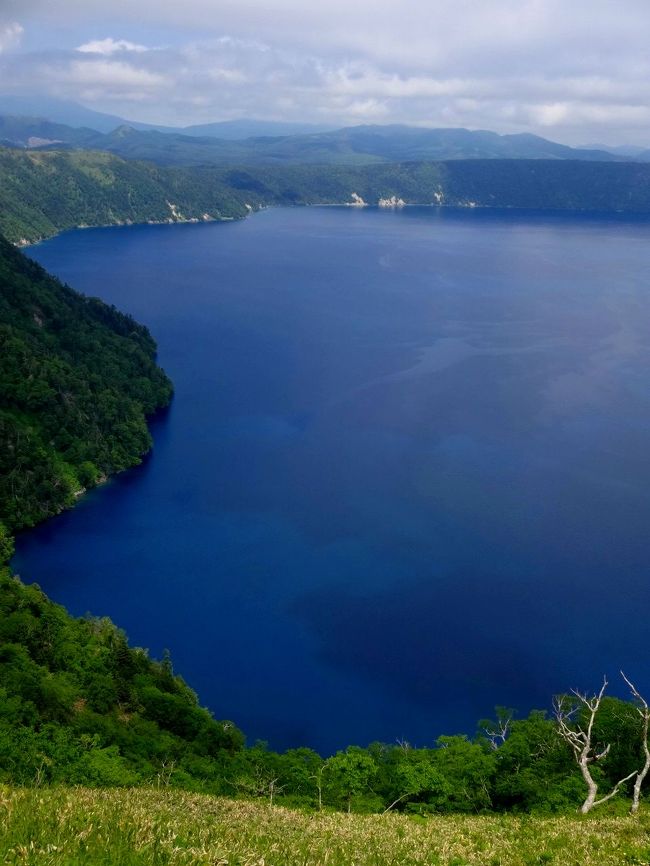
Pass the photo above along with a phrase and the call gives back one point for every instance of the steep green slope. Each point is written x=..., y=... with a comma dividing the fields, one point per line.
x=77, y=704
x=45, y=192
x=77, y=380
x=557, y=185
x=532, y=184
x=42, y=193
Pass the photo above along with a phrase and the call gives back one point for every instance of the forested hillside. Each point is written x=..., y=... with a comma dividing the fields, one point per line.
x=44, y=192
x=77, y=381
x=499, y=183
x=77, y=704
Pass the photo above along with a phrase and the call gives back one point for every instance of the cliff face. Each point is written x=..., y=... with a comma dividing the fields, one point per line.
x=43, y=192
x=77, y=381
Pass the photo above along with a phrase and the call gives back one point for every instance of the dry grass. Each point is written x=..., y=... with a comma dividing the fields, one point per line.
x=70, y=827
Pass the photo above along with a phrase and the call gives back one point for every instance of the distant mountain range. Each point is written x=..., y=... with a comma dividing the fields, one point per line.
x=63, y=111
x=74, y=124
x=357, y=145
x=626, y=150
x=59, y=111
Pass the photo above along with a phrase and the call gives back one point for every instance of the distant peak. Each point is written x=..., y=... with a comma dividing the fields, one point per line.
x=123, y=130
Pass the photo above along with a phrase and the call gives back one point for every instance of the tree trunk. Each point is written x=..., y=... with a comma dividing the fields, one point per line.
x=592, y=788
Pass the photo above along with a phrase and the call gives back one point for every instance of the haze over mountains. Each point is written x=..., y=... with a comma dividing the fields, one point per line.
x=37, y=121
x=242, y=142
x=69, y=113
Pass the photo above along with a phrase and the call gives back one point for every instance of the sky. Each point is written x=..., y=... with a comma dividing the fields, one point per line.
x=576, y=71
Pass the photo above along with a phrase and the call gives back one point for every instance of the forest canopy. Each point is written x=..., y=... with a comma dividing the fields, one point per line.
x=77, y=382
x=43, y=192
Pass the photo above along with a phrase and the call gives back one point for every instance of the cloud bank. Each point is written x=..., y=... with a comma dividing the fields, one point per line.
x=575, y=72
x=109, y=46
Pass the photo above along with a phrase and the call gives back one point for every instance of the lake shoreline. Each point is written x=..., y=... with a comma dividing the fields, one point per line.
x=263, y=528
x=617, y=215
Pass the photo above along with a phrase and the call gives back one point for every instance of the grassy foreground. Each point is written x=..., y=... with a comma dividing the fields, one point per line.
x=74, y=826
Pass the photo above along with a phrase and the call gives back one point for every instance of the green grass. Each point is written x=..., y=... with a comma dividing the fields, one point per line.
x=75, y=826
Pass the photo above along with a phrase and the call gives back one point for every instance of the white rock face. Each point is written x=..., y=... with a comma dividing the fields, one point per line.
x=176, y=214
x=392, y=202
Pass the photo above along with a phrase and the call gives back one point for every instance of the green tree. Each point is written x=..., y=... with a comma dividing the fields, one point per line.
x=349, y=775
x=6, y=544
x=412, y=776
x=534, y=771
x=468, y=771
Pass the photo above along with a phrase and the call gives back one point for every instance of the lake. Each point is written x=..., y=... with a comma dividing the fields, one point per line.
x=405, y=475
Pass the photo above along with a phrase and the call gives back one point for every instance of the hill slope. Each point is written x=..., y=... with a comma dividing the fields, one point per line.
x=77, y=704
x=44, y=192
x=77, y=380
x=502, y=183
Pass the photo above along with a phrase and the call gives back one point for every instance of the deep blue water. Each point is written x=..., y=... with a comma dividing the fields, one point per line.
x=405, y=476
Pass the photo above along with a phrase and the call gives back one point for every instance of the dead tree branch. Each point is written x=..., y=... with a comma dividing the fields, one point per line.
x=498, y=734
x=579, y=738
x=644, y=711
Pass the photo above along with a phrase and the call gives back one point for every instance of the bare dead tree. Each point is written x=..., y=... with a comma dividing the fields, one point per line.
x=164, y=777
x=497, y=734
x=274, y=789
x=40, y=774
x=579, y=738
x=258, y=784
x=644, y=711
x=318, y=779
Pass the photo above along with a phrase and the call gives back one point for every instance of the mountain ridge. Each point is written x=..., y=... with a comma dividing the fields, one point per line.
x=355, y=145
x=44, y=191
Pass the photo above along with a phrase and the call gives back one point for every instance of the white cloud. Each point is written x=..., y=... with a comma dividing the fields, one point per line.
x=551, y=114
x=578, y=69
x=578, y=114
x=229, y=76
x=366, y=111
x=10, y=36
x=109, y=73
x=110, y=46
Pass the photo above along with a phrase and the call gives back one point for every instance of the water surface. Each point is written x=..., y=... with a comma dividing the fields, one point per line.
x=405, y=474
